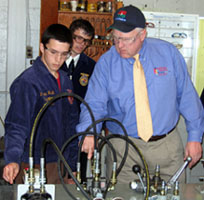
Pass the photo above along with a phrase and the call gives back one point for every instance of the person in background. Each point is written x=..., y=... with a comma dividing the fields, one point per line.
x=202, y=97
x=29, y=92
x=79, y=66
x=170, y=93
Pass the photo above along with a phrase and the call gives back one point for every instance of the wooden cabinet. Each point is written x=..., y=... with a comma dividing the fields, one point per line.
x=50, y=13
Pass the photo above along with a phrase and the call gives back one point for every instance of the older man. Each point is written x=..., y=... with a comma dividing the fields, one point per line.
x=114, y=91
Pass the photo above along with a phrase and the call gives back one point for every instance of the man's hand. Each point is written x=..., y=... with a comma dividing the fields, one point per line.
x=88, y=146
x=70, y=180
x=10, y=172
x=194, y=150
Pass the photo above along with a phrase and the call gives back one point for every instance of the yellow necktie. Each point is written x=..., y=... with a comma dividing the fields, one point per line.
x=143, y=114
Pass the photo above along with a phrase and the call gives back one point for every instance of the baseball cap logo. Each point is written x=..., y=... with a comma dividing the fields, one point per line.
x=128, y=18
x=121, y=15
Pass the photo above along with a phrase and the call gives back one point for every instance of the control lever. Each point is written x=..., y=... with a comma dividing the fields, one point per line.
x=136, y=169
x=179, y=172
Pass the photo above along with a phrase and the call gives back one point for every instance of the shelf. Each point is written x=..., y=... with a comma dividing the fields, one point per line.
x=171, y=28
x=99, y=21
x=84, y=13
x=50, y=13
x=184, y=28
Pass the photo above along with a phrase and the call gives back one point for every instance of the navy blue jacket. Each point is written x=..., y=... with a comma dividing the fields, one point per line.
x=81, y=75
x=29, y=92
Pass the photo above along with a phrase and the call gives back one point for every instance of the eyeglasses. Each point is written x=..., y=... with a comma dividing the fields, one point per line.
x=80, y=40
x=63, y=55
x=179, y=35
x=124, y=40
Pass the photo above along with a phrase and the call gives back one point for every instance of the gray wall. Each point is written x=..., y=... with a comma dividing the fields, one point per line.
x=19, y=26
x=172, y=6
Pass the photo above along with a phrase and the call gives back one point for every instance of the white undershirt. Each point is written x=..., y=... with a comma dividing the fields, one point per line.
x=76, y=59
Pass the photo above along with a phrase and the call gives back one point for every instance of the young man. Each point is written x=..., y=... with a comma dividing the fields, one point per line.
x=111, y=93
x=79, y=66
x=29, y=92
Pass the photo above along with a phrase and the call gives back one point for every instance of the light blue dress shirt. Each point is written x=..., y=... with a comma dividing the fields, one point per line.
x=170, y=90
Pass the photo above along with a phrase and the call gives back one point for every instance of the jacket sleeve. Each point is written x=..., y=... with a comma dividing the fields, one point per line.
x=18, y=120
x=71, y=120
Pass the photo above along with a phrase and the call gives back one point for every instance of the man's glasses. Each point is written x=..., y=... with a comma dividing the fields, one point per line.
x=179, y=35
x=124, y=40
x=63, y=55
x=80, y=40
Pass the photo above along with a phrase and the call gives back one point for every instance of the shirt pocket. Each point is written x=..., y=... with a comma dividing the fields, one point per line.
x=164, y=87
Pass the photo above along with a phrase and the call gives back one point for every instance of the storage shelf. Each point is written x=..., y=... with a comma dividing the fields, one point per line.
x=166, y=24
x=84, y=13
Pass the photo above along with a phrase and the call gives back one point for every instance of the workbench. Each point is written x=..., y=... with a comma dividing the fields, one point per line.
x=187, y=192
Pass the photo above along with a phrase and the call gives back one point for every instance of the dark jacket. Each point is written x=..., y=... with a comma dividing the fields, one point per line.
x=81, y=75
x=29, y=92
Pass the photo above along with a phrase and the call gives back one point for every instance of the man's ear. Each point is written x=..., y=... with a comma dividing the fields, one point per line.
x=143, y=34
x=42, y=48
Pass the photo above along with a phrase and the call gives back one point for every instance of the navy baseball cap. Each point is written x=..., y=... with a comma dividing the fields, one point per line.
x=128, y=18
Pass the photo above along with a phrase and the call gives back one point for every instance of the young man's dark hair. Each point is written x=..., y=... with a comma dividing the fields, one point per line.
x=82, y=24
x=58, y=32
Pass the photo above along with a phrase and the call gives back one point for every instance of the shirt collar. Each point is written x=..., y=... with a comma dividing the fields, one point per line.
x=76, y=59
x=142, y=50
